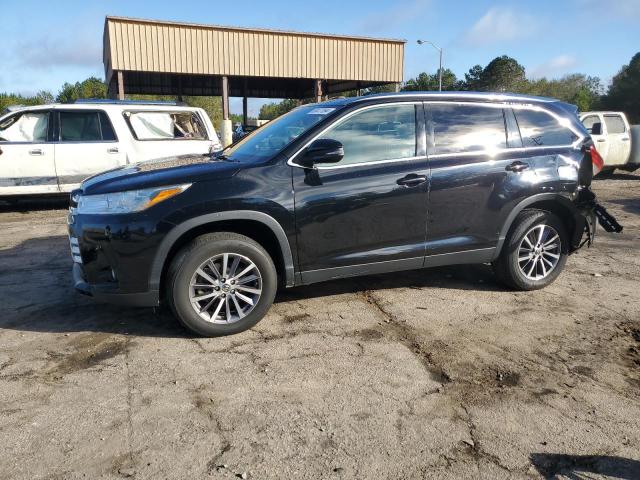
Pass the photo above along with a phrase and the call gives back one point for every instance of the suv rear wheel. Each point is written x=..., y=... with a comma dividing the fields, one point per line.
x=221, y=284
x=535, y=251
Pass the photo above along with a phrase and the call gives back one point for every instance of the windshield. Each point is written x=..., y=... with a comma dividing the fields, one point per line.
x=277, y=134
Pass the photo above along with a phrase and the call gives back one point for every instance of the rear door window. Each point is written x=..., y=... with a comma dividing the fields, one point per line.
x=166, y=125
x=541, y=129
x=85, y=126
x=615, y=124
x=27, y=127
x=456, y=128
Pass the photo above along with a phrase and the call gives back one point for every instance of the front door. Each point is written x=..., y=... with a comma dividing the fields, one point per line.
x=595, y=126
x=367, y=213
x=86, y=145
x=26, y=159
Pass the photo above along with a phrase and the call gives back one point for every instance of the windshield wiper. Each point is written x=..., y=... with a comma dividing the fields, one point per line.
x=222, y=157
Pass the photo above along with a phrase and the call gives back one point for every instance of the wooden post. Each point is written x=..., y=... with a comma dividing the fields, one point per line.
x=120, y=85
x=225, y=98
x=245, y=109
x=317, y=90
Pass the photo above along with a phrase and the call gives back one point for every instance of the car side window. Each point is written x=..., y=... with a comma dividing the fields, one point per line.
x=589, y=121
x=614, y=124
x=456, y=128
x=541, y=129
x=80, y=126
x=385, y=132
x=27, y=127
x=157, y=125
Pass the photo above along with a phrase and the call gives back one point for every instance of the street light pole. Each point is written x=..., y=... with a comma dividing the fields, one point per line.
x=420, y=42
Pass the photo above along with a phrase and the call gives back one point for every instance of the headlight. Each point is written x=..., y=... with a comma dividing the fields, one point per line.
x=127, y=202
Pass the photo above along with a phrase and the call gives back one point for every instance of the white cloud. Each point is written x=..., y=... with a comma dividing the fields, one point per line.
x=624, y=9
x=386, y=20
x=46, y=52
x=555, y=67
x=500, y=25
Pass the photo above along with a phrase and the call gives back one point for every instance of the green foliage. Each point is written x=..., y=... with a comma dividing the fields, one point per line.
x=624, y=93
x=9, y=99
x=428, y=82
x=269, y=111
x=92, y=87
x=577, y=89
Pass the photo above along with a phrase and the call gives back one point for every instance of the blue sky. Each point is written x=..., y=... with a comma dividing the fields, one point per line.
x=46, y=43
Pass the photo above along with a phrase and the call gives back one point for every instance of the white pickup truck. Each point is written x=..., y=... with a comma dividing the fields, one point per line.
x=617, y=142
x=50, y=149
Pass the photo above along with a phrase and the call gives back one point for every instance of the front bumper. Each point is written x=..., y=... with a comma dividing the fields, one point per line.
x=112, y=257
x=108, y=294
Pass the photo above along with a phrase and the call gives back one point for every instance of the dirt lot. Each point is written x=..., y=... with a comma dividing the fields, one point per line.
x=439, y=373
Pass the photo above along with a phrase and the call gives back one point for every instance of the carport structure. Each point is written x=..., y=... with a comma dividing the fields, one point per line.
x=169, y=58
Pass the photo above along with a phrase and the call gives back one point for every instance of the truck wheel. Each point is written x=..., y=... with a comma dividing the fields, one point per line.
x=220, y=284
x=535, y=251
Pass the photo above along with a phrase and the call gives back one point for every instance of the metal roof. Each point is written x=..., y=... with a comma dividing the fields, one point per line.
x=171, y=58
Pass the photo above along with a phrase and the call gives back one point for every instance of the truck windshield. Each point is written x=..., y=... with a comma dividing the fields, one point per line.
x=277, y=134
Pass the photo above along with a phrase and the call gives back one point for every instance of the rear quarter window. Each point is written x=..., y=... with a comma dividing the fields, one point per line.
x=541, y=129
x=159, y=125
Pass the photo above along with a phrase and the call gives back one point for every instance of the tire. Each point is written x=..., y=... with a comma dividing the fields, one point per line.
x=606, y=172
x=233, y=313
x=542, y=266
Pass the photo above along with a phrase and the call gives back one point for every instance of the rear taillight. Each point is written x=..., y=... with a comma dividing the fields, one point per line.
x=596, y=160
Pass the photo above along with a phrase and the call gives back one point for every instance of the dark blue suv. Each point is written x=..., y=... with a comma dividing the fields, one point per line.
x=348, y=187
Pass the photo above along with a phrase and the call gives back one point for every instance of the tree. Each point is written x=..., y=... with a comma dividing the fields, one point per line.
x=428, y=82
x=502, y=74
x=624, y=92
x=269, y=111
x=579, y=89
x=9, y=99
x=473, y=78
x=92, y=87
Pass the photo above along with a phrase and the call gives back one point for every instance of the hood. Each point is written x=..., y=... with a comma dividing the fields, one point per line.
x=161, y=171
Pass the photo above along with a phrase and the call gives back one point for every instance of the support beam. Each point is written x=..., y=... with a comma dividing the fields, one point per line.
x=317, y=90
x=120, y=85
x=225, y=98
x=245, y=109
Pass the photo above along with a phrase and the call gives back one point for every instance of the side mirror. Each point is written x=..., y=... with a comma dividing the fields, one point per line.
x=596, y=129
x=322, y=150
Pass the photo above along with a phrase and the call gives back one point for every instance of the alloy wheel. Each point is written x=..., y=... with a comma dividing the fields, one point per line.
x=539, y=252
x=225, y=288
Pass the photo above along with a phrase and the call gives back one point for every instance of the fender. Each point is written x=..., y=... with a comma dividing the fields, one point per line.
x=172, y=237
x=540, y=197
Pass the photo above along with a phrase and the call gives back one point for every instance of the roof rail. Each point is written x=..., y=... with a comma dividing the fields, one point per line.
x=109, y=101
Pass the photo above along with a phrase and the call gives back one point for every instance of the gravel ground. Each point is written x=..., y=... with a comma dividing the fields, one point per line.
x=429, y=374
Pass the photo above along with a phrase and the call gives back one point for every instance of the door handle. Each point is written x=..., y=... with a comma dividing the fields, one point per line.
x=36, y=151
x=625, y=139
x=412, y=180
x=600, y=140
x=516, y=166
x=112, y=150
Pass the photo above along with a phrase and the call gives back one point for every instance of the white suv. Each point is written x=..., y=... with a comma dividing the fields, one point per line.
x=49, y=149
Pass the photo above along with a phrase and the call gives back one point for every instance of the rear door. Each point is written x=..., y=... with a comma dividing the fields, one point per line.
x=619, y=139
x=469, y=159
x=165, y=133
x=366, y=213
x=27, y=159
x=86, y=144
x=594, y=124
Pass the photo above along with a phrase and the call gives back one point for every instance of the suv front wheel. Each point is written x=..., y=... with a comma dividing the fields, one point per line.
x=534, y=252
x=221, y=283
